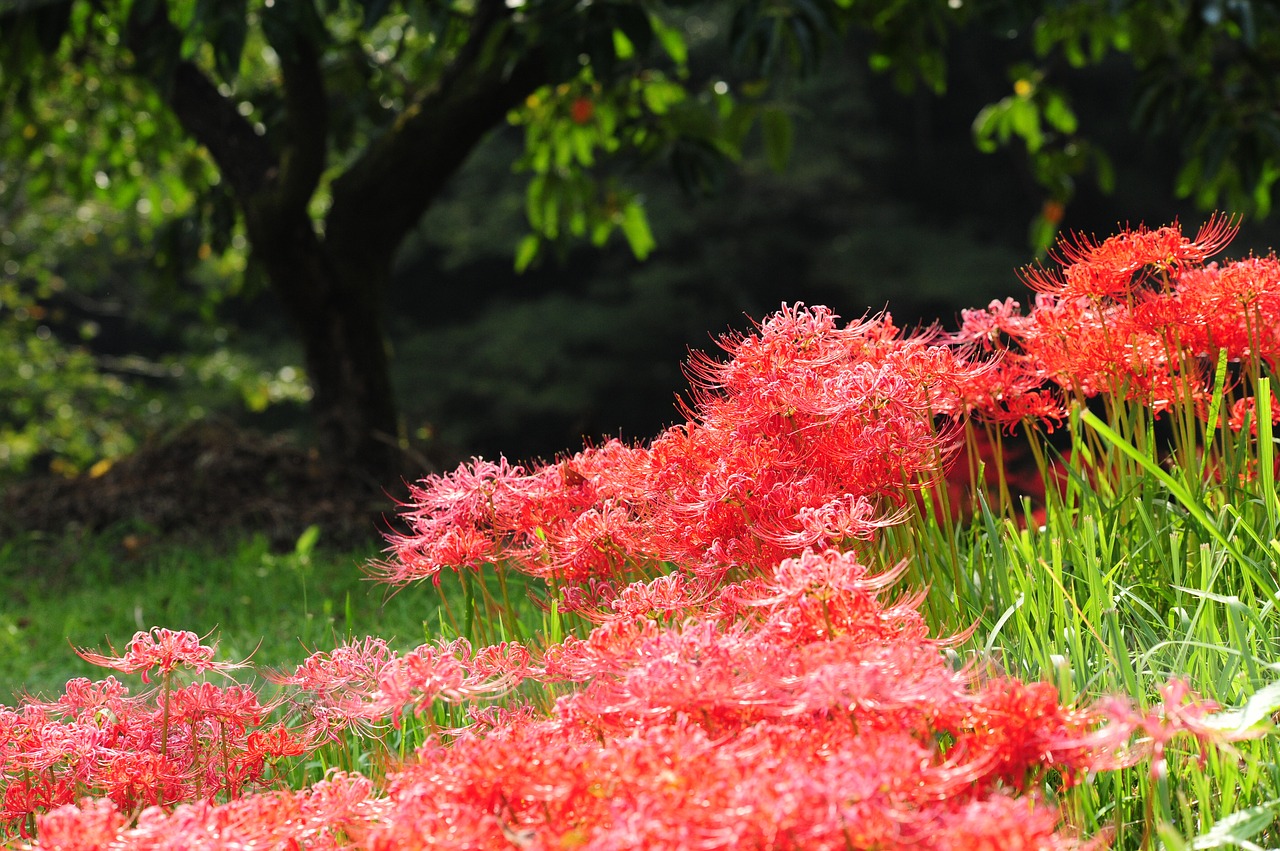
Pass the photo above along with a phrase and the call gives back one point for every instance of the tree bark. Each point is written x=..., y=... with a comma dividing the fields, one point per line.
x=336, y=307
x=332, y=277
x=333, y=299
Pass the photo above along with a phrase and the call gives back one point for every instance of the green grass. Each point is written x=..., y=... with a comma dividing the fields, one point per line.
x=1139, y=571
x=86, y=591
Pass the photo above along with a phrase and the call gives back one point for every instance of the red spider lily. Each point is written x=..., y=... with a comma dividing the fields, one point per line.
x=1098, y=328
x=806, y=435
x=171, y=745
x=1231, y=308
x=351, y=666
x=668, y=595
x=162, y=649
x=95, y=824
x=1246, y=410
x=342, y=684
x=485, y=512
x=1117, y=265
x=261, y=749
x=363, y=683
x=806, y=781
x=445, y=671
x=990, y=329
x=82, y=696
x=325, y=816
x=235, y=706
x=507, y=661
x=273, y=743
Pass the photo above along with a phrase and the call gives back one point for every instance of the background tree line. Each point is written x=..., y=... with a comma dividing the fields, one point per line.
x=184, y=186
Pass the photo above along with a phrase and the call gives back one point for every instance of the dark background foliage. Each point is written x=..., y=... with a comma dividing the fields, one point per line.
x=132, y=307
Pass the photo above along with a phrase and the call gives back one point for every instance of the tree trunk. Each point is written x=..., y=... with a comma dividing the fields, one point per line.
x=353, y=403
x=336, y=307
x=333, y=285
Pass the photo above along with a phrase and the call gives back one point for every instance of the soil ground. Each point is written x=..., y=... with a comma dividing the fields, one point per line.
x=209, y=480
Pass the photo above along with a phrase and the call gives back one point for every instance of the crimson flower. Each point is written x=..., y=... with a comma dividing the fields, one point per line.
x=161, y=649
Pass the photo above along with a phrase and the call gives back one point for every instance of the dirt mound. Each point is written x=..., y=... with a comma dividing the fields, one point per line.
x=209, y=479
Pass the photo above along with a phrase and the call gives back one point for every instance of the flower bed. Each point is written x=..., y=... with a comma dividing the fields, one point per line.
x=732, y=655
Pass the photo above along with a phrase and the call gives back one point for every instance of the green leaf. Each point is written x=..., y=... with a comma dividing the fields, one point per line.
x=660, y=95
x=630, y=20
x=1024, y=118
x=1170, y=838
x=671, y=40
x=737, y=124
x=1059, y=115
x=1043, y=37
x=986, y=127
x=527, y=251
x=1258, y=708
x=1262, y=192
x=551, y=206
x=582, y=141
x=622, y=46
x=578, y=222
x=600, y=230
x=1042, y=233
x=635, y=227
x=779, y=134
x=533, y=200
x=307, y=541
x=1235, y=830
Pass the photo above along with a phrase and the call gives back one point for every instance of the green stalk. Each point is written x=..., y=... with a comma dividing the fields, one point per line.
x=1180, y=492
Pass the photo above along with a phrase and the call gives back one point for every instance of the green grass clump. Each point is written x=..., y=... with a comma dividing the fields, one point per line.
x=1146, y=562
x=90, y=590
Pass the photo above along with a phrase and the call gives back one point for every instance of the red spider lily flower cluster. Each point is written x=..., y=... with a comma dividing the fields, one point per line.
x=799, y=439
x=319, y=817
x=800, y=711
x=1122, y=265
x=1140, y=316
x=174, y=743
x=801, y=705
x=200, y=743
x=361, y=684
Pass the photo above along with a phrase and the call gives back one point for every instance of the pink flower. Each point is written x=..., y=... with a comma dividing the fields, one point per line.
x=93, y=825
x=163, y=650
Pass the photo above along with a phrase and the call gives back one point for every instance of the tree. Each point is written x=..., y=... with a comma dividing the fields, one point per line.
x=322, y=131
x=1206, y=75
x=319, y=131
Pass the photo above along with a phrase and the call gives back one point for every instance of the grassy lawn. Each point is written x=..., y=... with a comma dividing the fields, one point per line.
x=88, y=591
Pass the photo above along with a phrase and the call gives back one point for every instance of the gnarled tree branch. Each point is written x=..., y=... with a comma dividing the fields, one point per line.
x=304, y=147
x=400, y=174
x=244, y=158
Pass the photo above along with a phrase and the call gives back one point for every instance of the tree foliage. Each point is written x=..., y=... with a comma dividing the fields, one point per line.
x=294, y=146
x=317, y=134
x=1205, y=81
